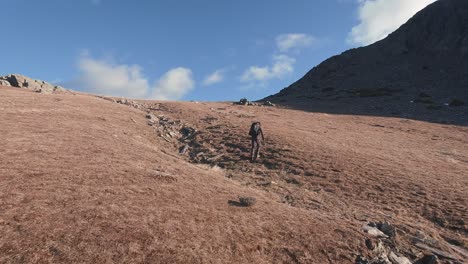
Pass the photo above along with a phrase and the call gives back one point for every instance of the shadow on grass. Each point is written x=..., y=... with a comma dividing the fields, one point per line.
x=236, y=203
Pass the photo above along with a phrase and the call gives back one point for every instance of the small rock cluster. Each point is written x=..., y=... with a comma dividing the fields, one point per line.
x=123, y=101
x=382, y=243
x=175, y=131
x=20, y=81
x=186, y=136
x=244, y=101
x=170, y=129
x=129, y=103
x=190, y=140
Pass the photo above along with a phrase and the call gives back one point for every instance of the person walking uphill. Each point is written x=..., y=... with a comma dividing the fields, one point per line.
x=255, y=131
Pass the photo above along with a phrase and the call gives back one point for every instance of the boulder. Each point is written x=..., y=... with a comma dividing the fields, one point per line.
x=4, y=82
x=398, y=260
x=428, y=259
x=20, y=81
x=373, y=231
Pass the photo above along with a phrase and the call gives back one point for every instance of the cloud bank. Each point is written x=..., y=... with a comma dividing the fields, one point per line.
x=378, y=18
x=287, y=42
x=102, y=76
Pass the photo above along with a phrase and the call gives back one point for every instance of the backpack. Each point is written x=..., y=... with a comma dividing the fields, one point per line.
x=254, y=129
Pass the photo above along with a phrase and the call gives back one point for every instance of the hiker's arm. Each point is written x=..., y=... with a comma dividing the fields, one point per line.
x=261, y=132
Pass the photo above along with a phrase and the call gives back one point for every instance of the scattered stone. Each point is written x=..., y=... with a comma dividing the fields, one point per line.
x=380, y=249
x=122, y=101
x=438, y=252
x=384, y=227
x=172, y=134
x=165, y=138
x=187, y=131
x=268, y=103
x=387, y=229
x=183, y=149
x=150, y=116
x=370, y=244
x=289, y=199
x=398, y=260
x=428, y=259
x=373, y=231
x=361, y=260
x=4, y=82
x=381, y=260
x=459, y=250
x=215, y=158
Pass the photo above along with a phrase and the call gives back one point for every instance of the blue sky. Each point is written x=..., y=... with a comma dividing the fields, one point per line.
x=187, y=50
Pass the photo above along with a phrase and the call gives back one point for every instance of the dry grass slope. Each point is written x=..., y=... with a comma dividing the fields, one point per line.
x=84, y=179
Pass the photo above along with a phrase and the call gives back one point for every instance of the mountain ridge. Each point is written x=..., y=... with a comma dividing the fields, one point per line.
x=415, y=72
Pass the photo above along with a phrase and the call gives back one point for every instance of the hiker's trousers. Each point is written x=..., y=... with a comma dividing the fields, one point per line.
x=255, y=148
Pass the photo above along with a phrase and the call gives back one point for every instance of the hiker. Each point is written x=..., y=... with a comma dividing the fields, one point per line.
x=255, y=131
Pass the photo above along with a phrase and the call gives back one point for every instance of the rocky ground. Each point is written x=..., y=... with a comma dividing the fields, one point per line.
x=110, y=180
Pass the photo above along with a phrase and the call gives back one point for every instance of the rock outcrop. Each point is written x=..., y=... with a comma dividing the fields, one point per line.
x=415, y=72
x=20, y=81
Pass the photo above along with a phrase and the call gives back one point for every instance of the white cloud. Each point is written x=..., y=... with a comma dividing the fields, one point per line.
x=282, y=65
x=215, y=77
x=102, y=76
x=287, y=42
x=173, y=85
x=378, y=18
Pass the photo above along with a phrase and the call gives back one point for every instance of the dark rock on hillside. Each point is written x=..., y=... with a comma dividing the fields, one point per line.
x=415, y=72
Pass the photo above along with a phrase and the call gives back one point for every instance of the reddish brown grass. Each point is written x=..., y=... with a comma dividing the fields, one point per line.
x=80, y=181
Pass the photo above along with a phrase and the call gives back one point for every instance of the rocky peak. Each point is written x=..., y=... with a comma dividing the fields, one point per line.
x=426, y=57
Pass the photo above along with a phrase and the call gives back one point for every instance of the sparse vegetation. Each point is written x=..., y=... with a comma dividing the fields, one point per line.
x=247, y=201
x=456, y=102
x=424, y=98
x=367, y=92
x=328, y=89
x=434, y=107
x=423, y=94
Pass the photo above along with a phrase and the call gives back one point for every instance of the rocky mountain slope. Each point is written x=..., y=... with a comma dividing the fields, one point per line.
x=87, y=179
x=419, y=71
